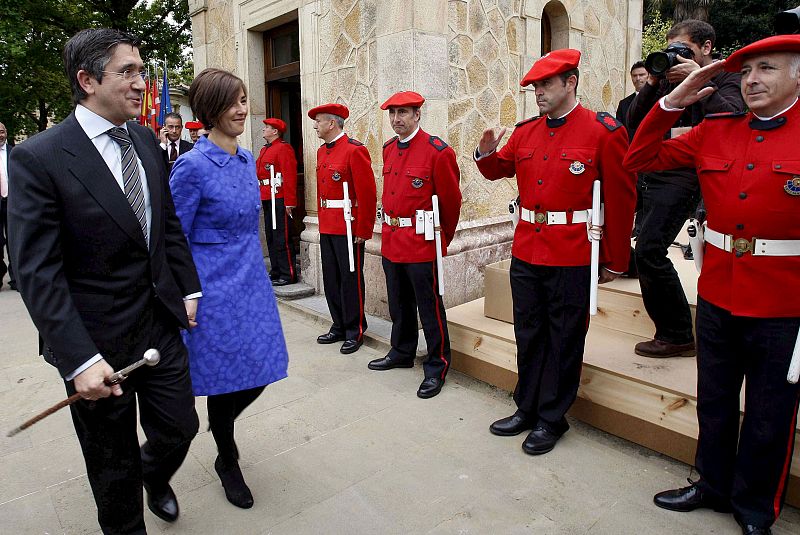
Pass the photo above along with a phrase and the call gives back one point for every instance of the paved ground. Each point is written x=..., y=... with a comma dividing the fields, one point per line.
x=337, y=449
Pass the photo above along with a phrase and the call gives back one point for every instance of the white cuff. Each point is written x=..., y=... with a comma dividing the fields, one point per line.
x=478, y=156
x=662, y=102
x=614, y=272
x=195, y=295
x=83, y=367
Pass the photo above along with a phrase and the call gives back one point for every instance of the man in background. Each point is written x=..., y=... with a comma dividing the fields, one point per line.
x=171, y=143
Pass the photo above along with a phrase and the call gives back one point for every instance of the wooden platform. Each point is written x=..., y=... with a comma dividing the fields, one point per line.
x=647, y=401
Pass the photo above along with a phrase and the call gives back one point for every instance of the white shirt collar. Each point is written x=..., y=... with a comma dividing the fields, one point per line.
x=93, y=124
x=570, y=111
x=337, y=137
x=409, y=138
x=779, y=113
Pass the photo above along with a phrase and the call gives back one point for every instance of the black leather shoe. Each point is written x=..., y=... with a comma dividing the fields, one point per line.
x=750, y=529
x=540, y=441
x=688, y=499
x=430, y=387
x=281, y=282
x=163, y=503
x=13, y=286
x=350, y=346
x=329, y=338
x=236, y=490
x=511, y=426
x=387, y=364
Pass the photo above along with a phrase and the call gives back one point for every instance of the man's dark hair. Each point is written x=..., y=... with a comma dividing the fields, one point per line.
x=173, y=115
x=212, y=92
x=698, y=31
x=91, y=50
x=566, y=74
x=638, y=65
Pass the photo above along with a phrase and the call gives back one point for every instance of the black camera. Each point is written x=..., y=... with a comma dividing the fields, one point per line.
x=658, y=63
x=788, y=22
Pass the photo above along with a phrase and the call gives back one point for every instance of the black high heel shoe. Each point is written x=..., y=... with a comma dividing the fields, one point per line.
x=236, y=490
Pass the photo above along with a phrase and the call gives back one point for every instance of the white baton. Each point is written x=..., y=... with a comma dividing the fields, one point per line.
x=794, y=366
x=437, y=233
x=272, y=195
x=595, y=265
x=348, y=218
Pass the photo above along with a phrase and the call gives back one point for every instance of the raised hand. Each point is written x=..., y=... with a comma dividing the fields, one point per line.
x=693, y=87
x=490, y=139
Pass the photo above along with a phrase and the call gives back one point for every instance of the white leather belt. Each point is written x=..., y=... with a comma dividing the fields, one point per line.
x=264, y=182
x=401, y=222
x=754, y=246
x=555, y=218
x=334, y=203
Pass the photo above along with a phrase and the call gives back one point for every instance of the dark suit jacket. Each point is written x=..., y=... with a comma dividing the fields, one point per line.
x=84, y=270
x=183, y=148
x=622, y=112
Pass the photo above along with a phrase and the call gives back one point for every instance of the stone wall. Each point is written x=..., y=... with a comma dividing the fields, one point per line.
x=465, y=56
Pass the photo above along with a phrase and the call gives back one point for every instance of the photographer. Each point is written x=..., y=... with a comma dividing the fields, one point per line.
x=670, y=197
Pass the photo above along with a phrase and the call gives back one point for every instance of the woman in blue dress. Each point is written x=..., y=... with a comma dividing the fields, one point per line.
x=237, y=346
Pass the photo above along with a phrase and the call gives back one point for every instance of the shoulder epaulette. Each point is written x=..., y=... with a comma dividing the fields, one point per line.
x=726, y=115
x=608, y=120
x=528, y=120
x=355, y=142
x=395, y=138
x=437, y=142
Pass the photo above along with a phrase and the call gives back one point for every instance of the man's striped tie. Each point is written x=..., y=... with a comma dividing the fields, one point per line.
x=130, y=175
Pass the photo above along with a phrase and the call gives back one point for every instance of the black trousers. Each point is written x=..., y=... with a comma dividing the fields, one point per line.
x=413, y=288
x=665, y=208
x=551, y=317
x=281, y=259
x=4, y=242
x=106, y=429
x=223, y=409
x=749, y=466
x=344, y=290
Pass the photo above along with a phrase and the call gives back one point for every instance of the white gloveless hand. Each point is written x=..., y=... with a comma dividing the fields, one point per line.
x=595, y=232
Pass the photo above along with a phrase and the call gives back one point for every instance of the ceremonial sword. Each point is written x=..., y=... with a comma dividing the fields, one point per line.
x=150, y=358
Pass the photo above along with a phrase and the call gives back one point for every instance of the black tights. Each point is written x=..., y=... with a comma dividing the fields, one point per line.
x=222, y=412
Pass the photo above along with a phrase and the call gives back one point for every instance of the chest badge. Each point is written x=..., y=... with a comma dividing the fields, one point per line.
x=577, y=168
x=792, y=186
x=417, y=183
x=336, y=176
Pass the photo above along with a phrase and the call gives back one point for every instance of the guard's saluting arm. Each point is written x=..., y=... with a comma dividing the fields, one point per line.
x=365, y=192
x=650, y=152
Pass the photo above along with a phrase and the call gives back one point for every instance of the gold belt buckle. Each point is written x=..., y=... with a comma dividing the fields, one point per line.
x=741, y=245
x=394, y=221
x=539, y=217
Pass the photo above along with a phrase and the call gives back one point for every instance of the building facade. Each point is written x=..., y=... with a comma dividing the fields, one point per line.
x=465, y=57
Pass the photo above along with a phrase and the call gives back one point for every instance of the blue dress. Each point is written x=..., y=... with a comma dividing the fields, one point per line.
x=238, y=343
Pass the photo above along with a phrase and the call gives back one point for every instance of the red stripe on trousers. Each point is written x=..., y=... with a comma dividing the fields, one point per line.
x=360, y=298
x=439, y=319
x=782, y=483
x=286, y=238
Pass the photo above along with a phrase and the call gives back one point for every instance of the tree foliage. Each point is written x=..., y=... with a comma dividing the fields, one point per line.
x=654, y=34
x=33, y=89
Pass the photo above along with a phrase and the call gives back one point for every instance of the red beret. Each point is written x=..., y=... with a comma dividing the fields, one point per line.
x=193, y=125
x=277, y=124
x=777, y=43
x=551, y=64
x=403, y=98
x=333, y=109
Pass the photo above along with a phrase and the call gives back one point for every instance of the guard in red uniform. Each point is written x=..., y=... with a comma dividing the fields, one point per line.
x=342, y=159
x=748, y=313
x=279, y=154
x=416, y=166
x=556, y=158
x=194, y=128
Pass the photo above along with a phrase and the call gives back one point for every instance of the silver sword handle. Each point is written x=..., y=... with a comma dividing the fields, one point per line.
x=151, y=357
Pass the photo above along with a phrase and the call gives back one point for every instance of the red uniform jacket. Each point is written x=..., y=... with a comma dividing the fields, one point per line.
x=750, y=180
x=555, y=169
x=412, y=173
x=281, y=155
x=346, y=160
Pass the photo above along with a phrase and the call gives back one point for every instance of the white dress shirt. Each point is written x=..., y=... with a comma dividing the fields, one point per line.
x=4, y=169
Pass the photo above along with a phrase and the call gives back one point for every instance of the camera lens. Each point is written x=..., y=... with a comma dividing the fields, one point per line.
x=657, y=63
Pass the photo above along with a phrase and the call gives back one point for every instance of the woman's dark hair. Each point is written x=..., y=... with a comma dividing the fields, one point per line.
x=91, y=50
x=212, y=92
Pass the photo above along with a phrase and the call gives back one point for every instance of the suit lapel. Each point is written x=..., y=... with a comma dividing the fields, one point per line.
x=89, y=168
x=153, y=164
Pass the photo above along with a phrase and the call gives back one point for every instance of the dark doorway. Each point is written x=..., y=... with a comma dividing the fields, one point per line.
x=282, y=83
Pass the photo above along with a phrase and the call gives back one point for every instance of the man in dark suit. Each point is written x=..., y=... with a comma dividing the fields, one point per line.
x=639, y=78
x=172, y=145
x=5, y=151
x=105, y=272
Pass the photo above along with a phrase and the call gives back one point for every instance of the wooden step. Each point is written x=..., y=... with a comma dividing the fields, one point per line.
x=650, y=402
